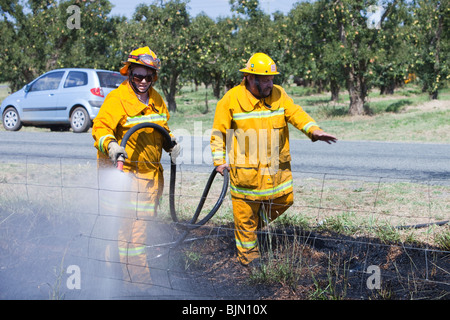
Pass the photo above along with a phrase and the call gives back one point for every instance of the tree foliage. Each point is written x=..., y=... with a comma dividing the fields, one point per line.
x=35, y=38
x=327, y=44
x=431, y=34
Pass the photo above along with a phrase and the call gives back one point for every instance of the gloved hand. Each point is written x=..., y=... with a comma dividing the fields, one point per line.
x=114, y=151
x=175, y=150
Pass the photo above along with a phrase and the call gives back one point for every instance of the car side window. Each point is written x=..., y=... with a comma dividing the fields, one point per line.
x=48, y=82
x=76, y=79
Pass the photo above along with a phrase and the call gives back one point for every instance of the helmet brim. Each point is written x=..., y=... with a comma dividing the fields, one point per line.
x=124, y=69
x=259, y=73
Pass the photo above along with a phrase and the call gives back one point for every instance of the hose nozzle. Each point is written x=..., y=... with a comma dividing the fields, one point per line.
x=120, y=161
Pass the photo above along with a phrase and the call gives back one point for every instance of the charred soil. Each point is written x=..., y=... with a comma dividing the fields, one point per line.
x=322, y=266
x=296, y=265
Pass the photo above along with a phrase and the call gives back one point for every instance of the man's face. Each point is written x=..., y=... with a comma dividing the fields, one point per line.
x=260, y=86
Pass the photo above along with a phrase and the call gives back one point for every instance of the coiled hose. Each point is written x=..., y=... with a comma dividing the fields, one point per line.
x=193, y=223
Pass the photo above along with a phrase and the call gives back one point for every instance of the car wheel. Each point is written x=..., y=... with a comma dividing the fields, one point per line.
x=79, y=120
x=11, y=119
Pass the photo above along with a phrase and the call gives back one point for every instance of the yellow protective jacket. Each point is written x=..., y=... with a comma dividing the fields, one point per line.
x=122, y=110
x=255, y=132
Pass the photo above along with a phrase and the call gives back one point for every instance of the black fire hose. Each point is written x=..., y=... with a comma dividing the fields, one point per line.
x=423, y=225
x=193, y=223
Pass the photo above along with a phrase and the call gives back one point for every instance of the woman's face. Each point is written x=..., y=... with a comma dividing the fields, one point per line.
x=142, y=77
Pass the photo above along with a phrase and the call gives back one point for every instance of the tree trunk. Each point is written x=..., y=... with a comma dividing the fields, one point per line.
x=357, y=90
x=319, y=86
x=195, y=85
x=355, y=81
x=388, y=88
x=170, y=91
x=434, y=95
x=171, y=102
x=356, y=102
x=334, y=86
x=216, y=86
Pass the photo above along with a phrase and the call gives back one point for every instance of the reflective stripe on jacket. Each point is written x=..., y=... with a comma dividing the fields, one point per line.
x=122, y=110
x=256, y=133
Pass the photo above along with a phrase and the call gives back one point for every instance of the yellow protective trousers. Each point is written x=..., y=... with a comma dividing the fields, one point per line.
x=136, y=216
x=248, y=219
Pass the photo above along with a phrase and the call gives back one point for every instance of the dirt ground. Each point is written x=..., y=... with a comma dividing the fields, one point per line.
x=328, y=266
x=35, y=254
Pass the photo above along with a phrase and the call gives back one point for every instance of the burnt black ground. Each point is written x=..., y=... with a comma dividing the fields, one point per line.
x=36, y=251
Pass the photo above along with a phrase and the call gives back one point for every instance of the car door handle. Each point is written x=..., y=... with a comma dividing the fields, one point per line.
x=51, y=94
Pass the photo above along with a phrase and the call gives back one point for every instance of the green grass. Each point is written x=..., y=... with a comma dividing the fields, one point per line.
x=406, y=116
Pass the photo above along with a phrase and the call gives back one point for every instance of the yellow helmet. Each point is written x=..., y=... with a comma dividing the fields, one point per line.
x=260, y=64
x=143, y=56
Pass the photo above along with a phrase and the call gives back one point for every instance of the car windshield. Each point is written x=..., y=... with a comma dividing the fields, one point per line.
x=110, y=79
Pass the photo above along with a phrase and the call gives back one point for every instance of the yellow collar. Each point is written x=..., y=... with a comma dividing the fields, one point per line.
x=132, y=105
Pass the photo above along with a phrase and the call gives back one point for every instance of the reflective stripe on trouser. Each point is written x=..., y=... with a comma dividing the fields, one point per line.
x=137, y=214
x=247, y=222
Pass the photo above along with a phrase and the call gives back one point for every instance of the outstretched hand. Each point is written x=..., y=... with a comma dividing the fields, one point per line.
x=323, y=136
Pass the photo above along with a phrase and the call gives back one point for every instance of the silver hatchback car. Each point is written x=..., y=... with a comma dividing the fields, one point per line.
x=60, y=99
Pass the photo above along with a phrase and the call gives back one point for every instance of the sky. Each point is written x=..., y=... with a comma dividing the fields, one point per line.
x=213, y=8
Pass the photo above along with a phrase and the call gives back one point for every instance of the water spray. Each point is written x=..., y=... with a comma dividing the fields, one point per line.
x=193, y=223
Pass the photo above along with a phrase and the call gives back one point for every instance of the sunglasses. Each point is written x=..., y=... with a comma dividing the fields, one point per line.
x=140, y=77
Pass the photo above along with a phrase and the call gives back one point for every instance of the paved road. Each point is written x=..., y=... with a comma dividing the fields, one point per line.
x=411, y=161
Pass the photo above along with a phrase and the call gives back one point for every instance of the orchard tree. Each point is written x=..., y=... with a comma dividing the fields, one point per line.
x=251, y=36
x=94, y=43
x=309, y=33
x=211, y=43
x=432, y=24
x=44, y=35
x=228, y=56
x=280, y=45
x=164, y=27
x=202, y=37
x=394, y=51
x=327, y=52
x=218, y=52
x=357, y=48
x=257, y=32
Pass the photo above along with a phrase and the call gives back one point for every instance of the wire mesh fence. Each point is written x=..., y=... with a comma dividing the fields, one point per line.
x=345, y=237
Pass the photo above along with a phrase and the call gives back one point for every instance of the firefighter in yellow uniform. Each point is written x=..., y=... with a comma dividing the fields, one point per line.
x=251, y=121
x=135, y=101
